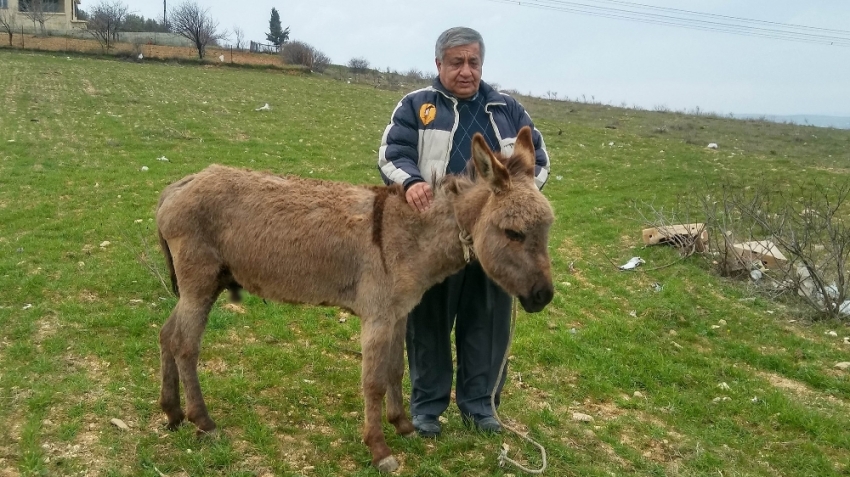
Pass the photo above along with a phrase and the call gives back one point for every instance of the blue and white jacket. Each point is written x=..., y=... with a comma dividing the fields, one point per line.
x=417, y=143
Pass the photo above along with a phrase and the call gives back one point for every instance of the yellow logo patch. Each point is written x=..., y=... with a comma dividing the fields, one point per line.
x=427, y=113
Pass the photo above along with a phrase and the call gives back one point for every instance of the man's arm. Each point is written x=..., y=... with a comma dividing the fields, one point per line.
x=541, y=155
x=398, y=156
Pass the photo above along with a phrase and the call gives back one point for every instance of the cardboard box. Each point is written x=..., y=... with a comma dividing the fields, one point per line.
x=677, y=235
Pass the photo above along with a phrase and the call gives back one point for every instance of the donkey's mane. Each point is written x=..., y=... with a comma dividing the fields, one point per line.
x=459, y=182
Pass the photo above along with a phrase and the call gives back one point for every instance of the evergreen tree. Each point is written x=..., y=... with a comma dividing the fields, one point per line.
x=276, y=34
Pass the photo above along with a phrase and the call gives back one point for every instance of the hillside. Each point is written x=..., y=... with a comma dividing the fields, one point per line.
x=700, y=376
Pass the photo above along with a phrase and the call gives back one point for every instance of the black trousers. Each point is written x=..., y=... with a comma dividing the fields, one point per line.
x=480, y=311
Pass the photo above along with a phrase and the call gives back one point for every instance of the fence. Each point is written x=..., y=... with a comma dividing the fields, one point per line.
x=140, y=37
x=264, y=48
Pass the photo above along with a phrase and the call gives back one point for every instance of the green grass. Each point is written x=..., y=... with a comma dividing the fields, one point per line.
x=282, y=381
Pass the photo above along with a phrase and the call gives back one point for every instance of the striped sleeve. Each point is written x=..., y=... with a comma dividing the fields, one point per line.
x=541, y=155
x=398, y=156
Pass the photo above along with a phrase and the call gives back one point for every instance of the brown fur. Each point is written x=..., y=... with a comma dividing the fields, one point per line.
x=362, y=248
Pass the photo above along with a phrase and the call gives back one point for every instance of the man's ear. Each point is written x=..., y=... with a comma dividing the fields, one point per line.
x=488, y=167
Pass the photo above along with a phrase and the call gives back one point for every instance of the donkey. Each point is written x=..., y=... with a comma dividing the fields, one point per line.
x=298, y=240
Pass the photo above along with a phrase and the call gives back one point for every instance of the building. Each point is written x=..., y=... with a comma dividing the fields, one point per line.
x=55, y=16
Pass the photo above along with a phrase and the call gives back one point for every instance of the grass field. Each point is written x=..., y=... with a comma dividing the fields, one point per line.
x=671, y=389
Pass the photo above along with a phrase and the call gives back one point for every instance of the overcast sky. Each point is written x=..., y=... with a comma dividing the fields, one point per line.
x=612, y=60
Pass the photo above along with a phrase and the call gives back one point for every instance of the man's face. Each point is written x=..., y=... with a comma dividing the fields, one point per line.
x=460, y=70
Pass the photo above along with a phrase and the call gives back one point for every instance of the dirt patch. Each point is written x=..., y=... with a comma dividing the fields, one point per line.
x=81, y=45
x=85, y=450
x=802, y=392
x=87, y=296
x=47, y=327
x=89, y=88
x=215, y=366
x=8, y=449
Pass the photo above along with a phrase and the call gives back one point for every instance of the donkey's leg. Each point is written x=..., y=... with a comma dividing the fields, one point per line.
x=169, y=395
x=376, y=340
x=396, y=413
x=198, y=270
x=192, y=320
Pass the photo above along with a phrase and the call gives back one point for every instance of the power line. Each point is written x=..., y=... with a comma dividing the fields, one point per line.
x=715, y=15
x=690, y=23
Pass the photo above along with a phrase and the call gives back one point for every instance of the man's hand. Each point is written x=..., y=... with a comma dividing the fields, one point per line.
x=419, y=196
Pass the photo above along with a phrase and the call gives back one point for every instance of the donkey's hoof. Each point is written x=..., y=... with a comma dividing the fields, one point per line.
x=174, y=424
x=210, y=434
x=387, y=464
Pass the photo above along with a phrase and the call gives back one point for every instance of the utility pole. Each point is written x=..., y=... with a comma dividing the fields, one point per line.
x=164, y=14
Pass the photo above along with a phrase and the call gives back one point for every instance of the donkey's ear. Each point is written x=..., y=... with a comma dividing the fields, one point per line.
x=488, y=167
x=524, y=150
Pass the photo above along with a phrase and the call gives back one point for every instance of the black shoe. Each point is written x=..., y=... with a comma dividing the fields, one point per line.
x=427, y=425
x=482, y=423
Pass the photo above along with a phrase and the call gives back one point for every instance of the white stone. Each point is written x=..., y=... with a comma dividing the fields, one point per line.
x=119, y=424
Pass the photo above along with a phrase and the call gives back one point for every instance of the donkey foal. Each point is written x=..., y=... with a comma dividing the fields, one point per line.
x=363, y=248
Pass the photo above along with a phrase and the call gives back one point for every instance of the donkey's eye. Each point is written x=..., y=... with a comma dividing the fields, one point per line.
x=514, y=235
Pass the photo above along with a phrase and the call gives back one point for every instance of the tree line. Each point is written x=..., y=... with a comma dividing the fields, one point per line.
x=108, y=18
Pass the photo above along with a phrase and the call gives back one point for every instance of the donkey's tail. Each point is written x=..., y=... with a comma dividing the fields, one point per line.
x=169, y=262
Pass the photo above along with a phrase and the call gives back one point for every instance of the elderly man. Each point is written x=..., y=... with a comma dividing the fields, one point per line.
x=430, y=135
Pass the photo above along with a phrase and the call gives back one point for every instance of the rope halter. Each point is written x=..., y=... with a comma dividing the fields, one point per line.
x=466, y=242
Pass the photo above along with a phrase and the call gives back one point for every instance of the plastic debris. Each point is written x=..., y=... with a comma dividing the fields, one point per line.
x=657, y=287
x=265, y=107
x=632, y=264
x=162, y=159
x=712, y=145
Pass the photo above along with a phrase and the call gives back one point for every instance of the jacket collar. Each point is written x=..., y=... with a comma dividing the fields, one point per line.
x=491, y=96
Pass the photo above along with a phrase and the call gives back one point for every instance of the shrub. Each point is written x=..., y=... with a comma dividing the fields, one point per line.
x=300, y=53
x=358, y=65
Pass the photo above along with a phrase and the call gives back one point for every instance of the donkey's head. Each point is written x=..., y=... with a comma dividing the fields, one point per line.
x=509, y=220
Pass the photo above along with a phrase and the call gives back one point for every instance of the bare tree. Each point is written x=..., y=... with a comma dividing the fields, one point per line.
x=105, y=19
x=7, y=23
x=239, y=37
x=358, y=66
x=195, y=24
x=34, y=11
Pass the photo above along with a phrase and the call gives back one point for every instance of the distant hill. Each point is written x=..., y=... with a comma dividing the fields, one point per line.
x=803, y=119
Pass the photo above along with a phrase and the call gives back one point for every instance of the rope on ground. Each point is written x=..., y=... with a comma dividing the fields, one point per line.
x=503, y=454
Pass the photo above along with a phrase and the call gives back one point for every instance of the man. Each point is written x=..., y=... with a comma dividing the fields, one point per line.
x=430, y=135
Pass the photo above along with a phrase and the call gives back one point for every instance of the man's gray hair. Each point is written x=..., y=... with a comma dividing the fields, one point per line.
x=457, y=36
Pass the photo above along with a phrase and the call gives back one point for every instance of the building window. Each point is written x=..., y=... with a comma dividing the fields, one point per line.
x=4, y=4
x=52, y=6
x=47, y=6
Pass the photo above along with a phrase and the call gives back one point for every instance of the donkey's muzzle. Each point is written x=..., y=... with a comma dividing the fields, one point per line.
x=541, y=295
